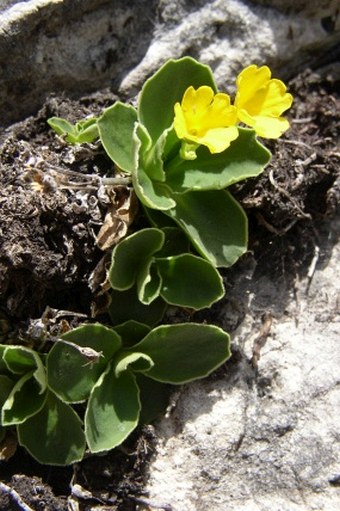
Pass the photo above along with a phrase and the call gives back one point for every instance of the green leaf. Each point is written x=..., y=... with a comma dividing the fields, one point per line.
x=23, y=402
x=62, y=126
x=165, y=88
x=184, y=352
x=96, y=336
x=132, y=332
x=70, y=375
x=6, y=385
x=54, y=435
x=189, y=281
x=175, y=242
x=137, y=362
x=72, y=372
x=245, y=158
x=148, y=283
x=112, y=410
x=151, y=159
x=215, y=223
x=3, y=367
x=154, y=397
x=158, y=219
x=87, y=131
x=131, y=255
x=126, y=306
x=82, y=131
x=20, y=360
x=152, y=194
x=116, y=127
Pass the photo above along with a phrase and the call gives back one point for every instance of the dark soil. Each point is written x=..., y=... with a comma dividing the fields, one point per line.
x=49, y=249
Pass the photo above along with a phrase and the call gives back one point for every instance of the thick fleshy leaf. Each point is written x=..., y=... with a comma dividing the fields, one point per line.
x=215, y=223
x=96, y=336
x=23, y=402
x=148, y=283
x=74, y=366
x=134, y=361
x=131, y=255
x=62, y=126
x=245, y=158
x=132, y=332
x=112, y=411
x=189, y=281
x=116, y=127
x=158, y=218
x=154, y=397
x=20, y=360
x=53, y=436
x=6, y=385
x=152, y=159
x=184, y=352
x=82, y=131
x=87, y=131
x=70, y=374
x=3, y=367
x=126, y=306
x=165, y=88
x=153, y=194
x=175, y=242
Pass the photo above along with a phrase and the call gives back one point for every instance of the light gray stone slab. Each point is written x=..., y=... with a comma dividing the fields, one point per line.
x=265, y=442
x=72, y=46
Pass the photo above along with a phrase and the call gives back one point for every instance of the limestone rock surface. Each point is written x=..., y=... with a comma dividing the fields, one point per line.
x=264, y=440
x=72, y=46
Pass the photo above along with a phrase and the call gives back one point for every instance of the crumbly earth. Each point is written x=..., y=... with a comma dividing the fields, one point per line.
x=50, y=223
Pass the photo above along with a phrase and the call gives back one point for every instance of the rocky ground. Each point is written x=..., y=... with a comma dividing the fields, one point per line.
x=49, y=249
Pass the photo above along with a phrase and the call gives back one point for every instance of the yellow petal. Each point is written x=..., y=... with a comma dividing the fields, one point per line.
x=219, y=139
x=179, y=122
x=269, y=127
x=276, y=100
x=205, y=118
x=195, y=105
x=261, y=100
x=249, y=80
x=221, y=113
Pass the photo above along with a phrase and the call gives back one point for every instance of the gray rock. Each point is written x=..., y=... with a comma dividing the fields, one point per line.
x=230, y=35
x=66, y=45
x=266, y=439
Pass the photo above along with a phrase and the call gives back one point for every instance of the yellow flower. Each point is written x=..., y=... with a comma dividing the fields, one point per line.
x=260, y=101
x=205, y=118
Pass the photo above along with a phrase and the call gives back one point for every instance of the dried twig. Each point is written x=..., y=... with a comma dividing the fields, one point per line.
x=272, y=229
x=312, y=267
x=296, y=142
x=261, y=339
x=14, y=495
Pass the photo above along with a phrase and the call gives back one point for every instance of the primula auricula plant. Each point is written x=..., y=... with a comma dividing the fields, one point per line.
x=180, y=149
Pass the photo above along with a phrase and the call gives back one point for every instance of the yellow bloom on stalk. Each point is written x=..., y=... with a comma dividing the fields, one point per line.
x=205, y=118
x=260, y=101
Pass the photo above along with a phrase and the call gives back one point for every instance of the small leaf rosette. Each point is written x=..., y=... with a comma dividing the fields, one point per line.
x=183, y=146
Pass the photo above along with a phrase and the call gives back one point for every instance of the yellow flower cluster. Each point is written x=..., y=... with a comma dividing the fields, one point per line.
x=205, y=118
